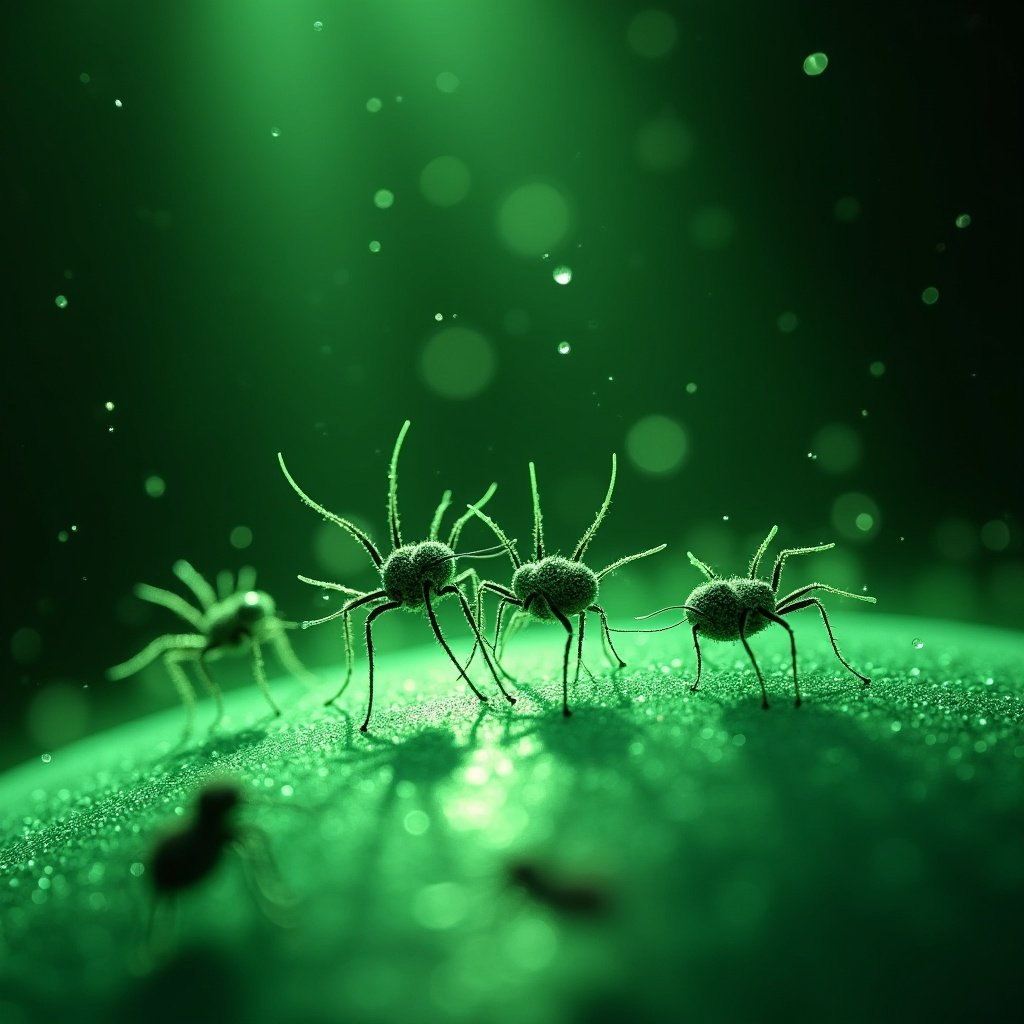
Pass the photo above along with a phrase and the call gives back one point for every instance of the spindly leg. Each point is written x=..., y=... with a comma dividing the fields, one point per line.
x=290, y=662
x=379, y=610
x=824, y=618
x=753, y=660
x=696, y=647
x=606, y=632
x=780, y=561
x=210, y=684
x=345, y=613
x=172, y=661
x=260, y=673
x=565, y=660
x=162, y=645
x=479, y=641
x=435, y=626
x=580, y=626
x=792, y=646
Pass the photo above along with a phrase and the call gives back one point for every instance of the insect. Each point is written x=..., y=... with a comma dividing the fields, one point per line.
x=736, y=607
x=585, y=897
x=411, y=575
x=235, y=617
x=188, y=854
x=552, y=587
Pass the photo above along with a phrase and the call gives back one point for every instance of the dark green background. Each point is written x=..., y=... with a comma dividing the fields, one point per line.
x=222, y=295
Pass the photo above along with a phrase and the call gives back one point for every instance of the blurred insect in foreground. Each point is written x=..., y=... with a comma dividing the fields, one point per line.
x=573, y=897
x=554, y=587
x=234, y=618
x=736, y=607
x=188, y=854
x=410, y=575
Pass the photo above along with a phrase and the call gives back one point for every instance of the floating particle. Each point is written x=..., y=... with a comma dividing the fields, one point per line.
x=447, y=82
x=918, y=643
x=61, y=302
x=275, y=132
x=318, y=26
x=562, y=274
x=154, y=486
x=373, y=104
x=691, y=388
x=877, y=368
x=109, y=406
x=383, y=198
x=930, y=296
x=963, y=221
x=46, y=758
x=787, y=322
x=815, y=64
x=118, y=104
x=564, y=348
x=85, y=78
x=375, y=246
x=240, y=537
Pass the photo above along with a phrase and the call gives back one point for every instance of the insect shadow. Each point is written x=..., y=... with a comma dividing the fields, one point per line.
x=411, y=576
x=234, y=618
x=555, y=588
x=737, y=607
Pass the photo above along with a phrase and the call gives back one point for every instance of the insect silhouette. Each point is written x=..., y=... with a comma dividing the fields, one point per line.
x=233, y=618
x=191, y=852
x=737, y=607
x=552, y=587
x=411, y=576
x=582, y=897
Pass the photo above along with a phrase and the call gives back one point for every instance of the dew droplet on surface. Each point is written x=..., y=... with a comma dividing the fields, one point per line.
x=564, y=348
x=46, y=758
x=562, y=274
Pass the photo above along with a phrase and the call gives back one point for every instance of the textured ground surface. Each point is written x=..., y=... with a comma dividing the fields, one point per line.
x=860, y=856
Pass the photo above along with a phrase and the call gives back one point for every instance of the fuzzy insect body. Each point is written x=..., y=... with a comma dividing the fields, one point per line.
x=555, y=582
x=718, y=607
x=408, y=568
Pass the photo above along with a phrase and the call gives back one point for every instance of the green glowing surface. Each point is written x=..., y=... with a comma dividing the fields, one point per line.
x=861, y=855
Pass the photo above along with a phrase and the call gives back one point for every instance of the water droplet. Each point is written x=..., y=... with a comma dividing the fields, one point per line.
x=863, y=412
x=439, y=317
x=318, y=26
x=154, y=486
x=815, y=64
x=61, y=302
x=691, y=388
x=383, y=198
x=812, y=456
x=46, y=758
x=964, y=220
x=564, y=348
x=118, y=104
x=562, y=274
x=109, y=406
x=725, y=519
x=877, y=368
x=373, y=104
x=137, y=869
x=276, y=132
x=375, y=246
x=918, y=643
x=930, y=296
